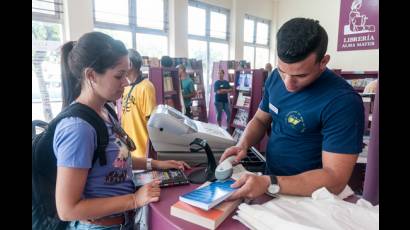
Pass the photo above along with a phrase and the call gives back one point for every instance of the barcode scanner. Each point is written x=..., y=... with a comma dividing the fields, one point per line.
x=225, y=169
x=201, y=175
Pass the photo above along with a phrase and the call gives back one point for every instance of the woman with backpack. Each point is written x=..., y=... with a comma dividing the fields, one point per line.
x=89, y=193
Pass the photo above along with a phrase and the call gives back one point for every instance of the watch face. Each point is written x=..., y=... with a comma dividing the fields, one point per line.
x=273, y=188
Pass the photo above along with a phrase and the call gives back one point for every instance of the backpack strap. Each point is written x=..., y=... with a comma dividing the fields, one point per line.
x=89, y=115
x=111, y=111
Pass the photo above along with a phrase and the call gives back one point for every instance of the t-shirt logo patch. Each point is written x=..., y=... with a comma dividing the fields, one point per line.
x=295, y=120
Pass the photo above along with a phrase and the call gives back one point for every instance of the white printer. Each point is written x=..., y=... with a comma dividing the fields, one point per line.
x=171, y=131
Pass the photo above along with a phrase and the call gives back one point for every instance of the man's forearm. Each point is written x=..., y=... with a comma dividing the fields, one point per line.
x=253, y=133
x=306, y=183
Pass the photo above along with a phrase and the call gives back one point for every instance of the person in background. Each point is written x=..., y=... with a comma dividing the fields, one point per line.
x=222, y=90
x=94, y=196
x=187, y=87
x=268, y=67
x=317, y=120
x=138, y=102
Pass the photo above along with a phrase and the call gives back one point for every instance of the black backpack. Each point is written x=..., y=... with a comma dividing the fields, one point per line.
x=44, y=163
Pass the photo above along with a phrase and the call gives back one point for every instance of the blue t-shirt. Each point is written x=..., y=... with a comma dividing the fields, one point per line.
x=75, y=141
x=187, y=88
x=326, y=115
x=221, y=84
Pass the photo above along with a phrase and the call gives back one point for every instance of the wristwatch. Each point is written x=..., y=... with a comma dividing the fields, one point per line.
x=149, y=163
x=274, y=187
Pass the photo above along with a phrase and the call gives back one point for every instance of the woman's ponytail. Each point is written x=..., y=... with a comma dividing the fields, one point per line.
x=70, y=83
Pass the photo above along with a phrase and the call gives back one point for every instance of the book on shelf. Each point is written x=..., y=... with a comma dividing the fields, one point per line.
x=237, y=133
x=168, y=85
x=170, y=102
x=241, y=117
x=145, y=60
x=196, y=111
x=210, y=219
x=199, y=94
x=358, y=83
x=168, y=177
x=210, y=195
x=243, y=100
x=244, y=81
x=196, y=77
x=154, y=62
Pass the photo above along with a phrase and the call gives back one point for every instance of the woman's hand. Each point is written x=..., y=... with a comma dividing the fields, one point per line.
x=170, y=164
x=146, y=194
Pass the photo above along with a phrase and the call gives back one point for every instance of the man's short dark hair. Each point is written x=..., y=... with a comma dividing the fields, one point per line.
x=298, y=38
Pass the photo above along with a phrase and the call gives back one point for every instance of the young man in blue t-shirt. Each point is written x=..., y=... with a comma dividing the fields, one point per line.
x=222, y=90
x=316, y=120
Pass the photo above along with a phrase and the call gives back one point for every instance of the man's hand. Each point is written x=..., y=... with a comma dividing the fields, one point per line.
x=251, y=185
x=170, y=164
x=240, y=153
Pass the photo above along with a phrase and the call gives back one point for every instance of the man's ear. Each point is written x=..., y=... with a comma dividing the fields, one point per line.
x=324, y=62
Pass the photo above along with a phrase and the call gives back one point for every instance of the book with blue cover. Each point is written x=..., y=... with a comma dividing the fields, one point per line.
x=210, y=195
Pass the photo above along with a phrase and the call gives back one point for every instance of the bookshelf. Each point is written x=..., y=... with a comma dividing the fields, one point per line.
x=167, y=86
x=195, y=72
x=198, y=108
x=229, y=67
x=358, y=79
x=247, y=96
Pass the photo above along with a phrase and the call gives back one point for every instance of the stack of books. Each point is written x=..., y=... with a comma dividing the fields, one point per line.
x=243, y=100
x=237, y=133
x=241, y=118
x=205, y=206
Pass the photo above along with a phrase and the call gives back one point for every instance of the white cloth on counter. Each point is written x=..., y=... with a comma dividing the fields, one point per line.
x=323, y=210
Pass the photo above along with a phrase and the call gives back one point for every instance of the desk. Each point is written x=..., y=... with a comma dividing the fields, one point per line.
x=160, y=217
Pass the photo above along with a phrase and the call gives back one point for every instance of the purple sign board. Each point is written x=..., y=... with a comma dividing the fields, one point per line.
x=358, y=25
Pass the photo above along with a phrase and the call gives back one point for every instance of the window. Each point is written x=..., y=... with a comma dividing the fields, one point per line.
x=46, y=33
x=150, y=14
x=116, y=13
x=124, y=36
x=256, y=40
x=248, y=30
x=208, y=37
x=151, y=45
x=217, y=51
x=198, y=49
x=262, y=36
x=249, y=53
x=196, y=21
x=140, y=24
x=218, y=25
x=261, y=57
